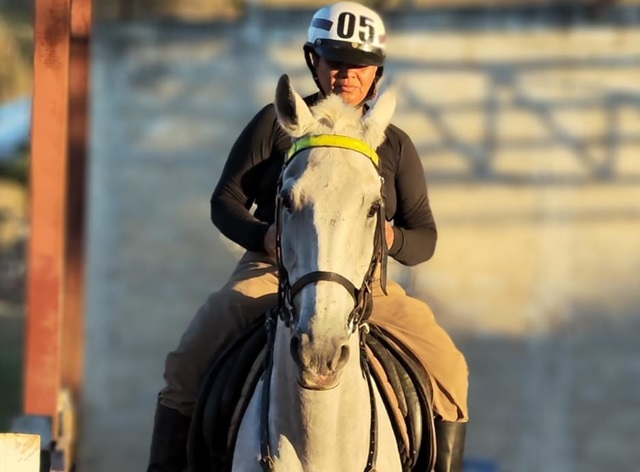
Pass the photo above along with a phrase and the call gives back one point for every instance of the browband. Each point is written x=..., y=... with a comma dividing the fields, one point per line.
x=334, y=140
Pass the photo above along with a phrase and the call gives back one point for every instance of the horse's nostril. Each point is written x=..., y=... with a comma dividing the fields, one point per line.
x=322, y=360
x=340, y=358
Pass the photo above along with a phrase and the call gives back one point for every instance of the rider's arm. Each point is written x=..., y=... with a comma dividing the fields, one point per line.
x=414, y=229
x=240, y=181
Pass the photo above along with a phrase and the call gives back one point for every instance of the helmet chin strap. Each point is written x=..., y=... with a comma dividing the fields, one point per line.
x=308, y=56
x=373, y=91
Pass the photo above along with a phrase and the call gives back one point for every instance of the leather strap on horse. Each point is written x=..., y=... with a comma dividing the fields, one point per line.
x=373, y=428
x=266, y=459
x=381, y=250
x=318, y=276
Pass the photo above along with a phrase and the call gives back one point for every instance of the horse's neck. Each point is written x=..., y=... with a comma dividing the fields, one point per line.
x=326, y=430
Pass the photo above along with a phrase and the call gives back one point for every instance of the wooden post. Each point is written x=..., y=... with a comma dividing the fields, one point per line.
x=19, y=453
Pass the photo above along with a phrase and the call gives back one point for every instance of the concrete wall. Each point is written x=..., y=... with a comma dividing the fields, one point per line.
x=529, y=138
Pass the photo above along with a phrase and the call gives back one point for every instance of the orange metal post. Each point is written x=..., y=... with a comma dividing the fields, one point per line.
x=48, y=183
x=55, y=299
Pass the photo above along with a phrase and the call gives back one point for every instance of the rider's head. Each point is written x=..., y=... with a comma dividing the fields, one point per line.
x=345, y=51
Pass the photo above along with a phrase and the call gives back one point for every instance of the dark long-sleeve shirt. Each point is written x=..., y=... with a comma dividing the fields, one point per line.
x=251, y=172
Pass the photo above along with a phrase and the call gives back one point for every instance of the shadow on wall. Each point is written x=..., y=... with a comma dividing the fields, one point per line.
x=536, y=400
x=531, y=107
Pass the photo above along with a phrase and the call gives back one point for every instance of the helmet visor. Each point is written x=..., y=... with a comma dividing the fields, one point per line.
x=348, y=53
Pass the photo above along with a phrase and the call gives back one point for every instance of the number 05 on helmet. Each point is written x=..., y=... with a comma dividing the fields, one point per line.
x=349, y=33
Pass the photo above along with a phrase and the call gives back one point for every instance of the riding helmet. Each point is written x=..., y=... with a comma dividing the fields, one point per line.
x=349, y=33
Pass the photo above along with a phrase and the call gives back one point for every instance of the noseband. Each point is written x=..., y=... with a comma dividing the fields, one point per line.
x=361, y=296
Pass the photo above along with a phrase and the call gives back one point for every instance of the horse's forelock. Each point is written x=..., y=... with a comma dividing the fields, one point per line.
x=337, y=117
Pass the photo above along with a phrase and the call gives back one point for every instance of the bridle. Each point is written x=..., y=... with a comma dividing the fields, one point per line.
x=363, y=302
x=361, y=296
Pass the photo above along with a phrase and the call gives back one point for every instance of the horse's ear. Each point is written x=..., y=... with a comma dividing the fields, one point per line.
x=293, y=113
x=378, y=118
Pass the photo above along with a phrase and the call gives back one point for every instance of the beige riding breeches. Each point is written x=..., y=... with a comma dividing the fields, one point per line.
x=251, y=291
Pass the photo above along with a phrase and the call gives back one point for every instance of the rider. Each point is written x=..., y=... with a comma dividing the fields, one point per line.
x=345, y=52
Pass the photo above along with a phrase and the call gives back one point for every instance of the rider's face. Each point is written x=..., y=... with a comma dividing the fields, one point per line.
x=351, y=82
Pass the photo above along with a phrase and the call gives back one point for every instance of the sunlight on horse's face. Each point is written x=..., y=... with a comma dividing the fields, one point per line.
x=330, y=196
x=328, y=222
x=330, y=199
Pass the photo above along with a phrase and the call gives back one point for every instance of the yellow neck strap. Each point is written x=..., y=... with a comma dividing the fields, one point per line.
x=334, y=140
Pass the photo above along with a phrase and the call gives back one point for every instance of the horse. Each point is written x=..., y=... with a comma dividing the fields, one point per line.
x=314, y=406
x=319, y=407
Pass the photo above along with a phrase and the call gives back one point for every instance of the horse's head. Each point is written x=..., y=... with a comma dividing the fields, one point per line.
x=330, y=225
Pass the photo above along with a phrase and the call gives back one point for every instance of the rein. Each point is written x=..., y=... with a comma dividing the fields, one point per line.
x=362, y=296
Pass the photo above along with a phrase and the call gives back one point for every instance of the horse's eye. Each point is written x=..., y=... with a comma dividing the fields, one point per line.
x=286, y=200
x=373, y=210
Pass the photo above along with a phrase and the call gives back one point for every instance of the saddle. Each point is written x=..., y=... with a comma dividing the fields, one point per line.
x=231, y=379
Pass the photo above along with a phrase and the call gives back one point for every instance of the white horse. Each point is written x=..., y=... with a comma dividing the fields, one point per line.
x=315, y=400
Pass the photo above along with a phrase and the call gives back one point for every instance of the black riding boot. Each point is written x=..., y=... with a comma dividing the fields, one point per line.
x=169, y=441
x=450, y=443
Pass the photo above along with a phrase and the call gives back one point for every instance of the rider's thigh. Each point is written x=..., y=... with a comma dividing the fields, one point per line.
x=412, y=322
x=224, y=316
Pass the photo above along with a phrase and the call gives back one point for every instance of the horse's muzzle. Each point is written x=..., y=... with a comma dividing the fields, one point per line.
x=311, y=381
x=320, y=367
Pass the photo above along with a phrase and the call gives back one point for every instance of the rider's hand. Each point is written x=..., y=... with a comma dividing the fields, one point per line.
x=388, y=232
x=270, y=241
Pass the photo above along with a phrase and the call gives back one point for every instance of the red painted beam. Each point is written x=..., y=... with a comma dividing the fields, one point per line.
x=48, y=185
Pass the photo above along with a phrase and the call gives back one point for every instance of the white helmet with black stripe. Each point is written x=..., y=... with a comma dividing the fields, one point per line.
x=349, y=33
